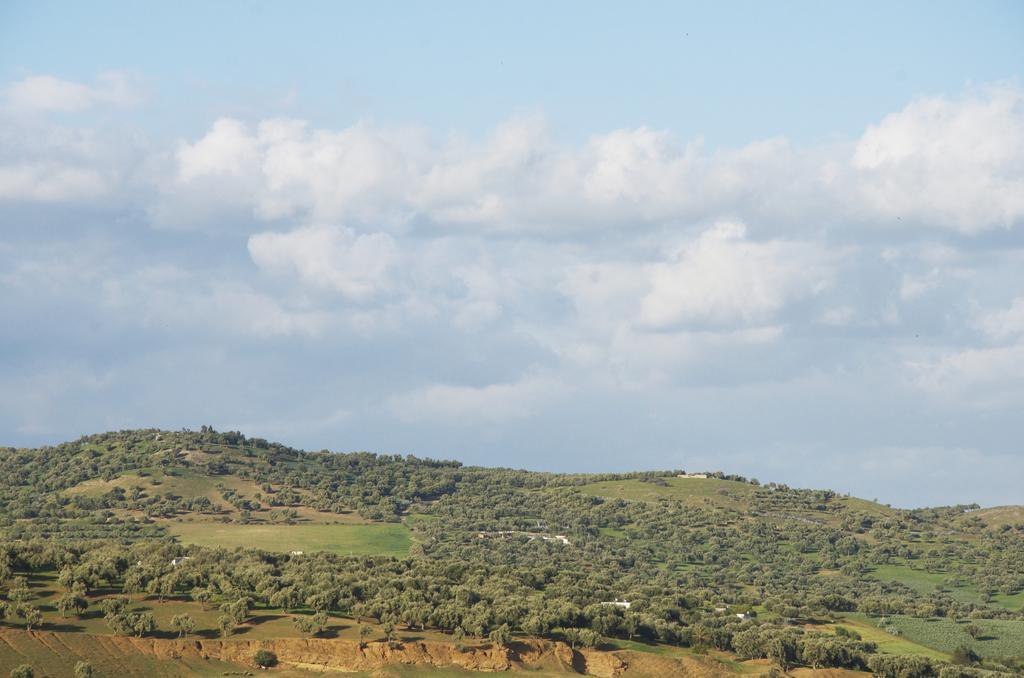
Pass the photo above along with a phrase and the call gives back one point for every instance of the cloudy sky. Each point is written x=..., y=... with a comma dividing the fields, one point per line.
x=784, y=240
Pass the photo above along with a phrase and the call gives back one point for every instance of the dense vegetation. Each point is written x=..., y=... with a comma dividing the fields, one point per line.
x=722, y=563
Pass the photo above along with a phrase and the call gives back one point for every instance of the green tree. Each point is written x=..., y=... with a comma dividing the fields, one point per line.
x=114, y=605
x=19, y=592
x=31, y=616
x=388, y=627
x=142, y=624
x=183, y=624
x=83, y=669
x=264, y=658
x=66, y=578
x=225, y=624
x=320, y=620
x=203, y=596
x=589, y=638
x=23, y=671
x=459, y=637
x=965, y=655
x=238, y=610
x=501, y=635
x=71, y=604
x=304, y=624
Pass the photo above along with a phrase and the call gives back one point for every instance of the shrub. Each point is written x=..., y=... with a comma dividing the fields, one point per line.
x=965, y=655
x=265, y=658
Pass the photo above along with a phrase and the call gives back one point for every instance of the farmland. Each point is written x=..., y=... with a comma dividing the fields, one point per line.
x=157, y=481
x=997, y=637
x=868, y=628
x=117, y=535
x=924, y=582
x=385, y=539
x=692, y=491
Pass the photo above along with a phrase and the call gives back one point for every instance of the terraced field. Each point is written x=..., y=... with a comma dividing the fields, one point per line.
x=56, y=655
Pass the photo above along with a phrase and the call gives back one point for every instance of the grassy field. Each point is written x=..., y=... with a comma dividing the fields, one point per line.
x=692, y=491
x=888, y=643
x=183, y=484
x=1000, y=515
x=926, y=582
x=865, y=506
x=386, y=539
x=998, y=637
x=188, y=484
x=728, y=494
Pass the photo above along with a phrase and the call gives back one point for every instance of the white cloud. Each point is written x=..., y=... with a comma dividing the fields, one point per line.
x=950, y=163
x=283, y=169
x=50, y=182
x=517, y=180
x=357, y=266
x=840, y=316
x=722, y=278
x=916, y=286
x=1004, y=324
x=633, y=269
x=978, y=377
x=48, y=93
x=172, y=300
x=227, y=150
x=470, y=405
x=940, y=162
x=44, y=162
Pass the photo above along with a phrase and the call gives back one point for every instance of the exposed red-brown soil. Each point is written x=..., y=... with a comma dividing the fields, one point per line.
x=150, y=657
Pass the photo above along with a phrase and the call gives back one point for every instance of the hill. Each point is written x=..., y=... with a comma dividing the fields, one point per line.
x=208, y=534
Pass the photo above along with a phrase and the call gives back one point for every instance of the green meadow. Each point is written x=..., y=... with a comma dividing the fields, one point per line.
x=997, y=637
x=382, y=539
x=868, y=629
x=926, y=582
x=180, y=483
x=694, y=491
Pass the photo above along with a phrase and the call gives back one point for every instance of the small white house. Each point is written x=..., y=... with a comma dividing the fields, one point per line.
x=178, y=561
x=742, y=615
x=692, y=475
x=560, y=538
x=624, y=604
x=296, y=553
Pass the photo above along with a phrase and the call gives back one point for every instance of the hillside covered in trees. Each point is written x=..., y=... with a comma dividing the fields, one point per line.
x=237, y=535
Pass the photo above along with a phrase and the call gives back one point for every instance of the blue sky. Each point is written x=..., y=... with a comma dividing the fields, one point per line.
x=782, y=240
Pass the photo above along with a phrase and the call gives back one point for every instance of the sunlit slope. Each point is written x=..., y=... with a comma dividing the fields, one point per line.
x=721, y=493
